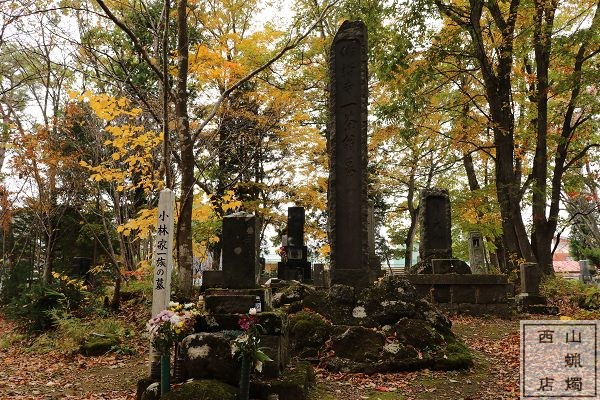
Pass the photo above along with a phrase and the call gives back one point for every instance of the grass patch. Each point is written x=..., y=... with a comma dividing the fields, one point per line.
x=319, y=392
x=11, y=339
x=88, y=336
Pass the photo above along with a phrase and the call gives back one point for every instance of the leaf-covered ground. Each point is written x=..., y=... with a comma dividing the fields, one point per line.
x=495, y=375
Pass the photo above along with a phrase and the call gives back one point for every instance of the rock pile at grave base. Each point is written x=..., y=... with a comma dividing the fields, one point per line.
x=384, y=328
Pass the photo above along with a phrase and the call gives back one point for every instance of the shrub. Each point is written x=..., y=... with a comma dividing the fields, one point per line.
x=72, y=335
x=590, y=299
x=32, y=309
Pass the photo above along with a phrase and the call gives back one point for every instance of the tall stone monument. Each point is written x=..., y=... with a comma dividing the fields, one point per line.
x=347, y=196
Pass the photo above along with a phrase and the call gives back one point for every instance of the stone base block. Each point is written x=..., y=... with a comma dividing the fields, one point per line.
x=293, y=384
x=294, y=270
x=273, y=323
x=264, y=294
x=534, y=304
x=212, y=279
x=465, y=293
x=229, y=304
x=358, y=278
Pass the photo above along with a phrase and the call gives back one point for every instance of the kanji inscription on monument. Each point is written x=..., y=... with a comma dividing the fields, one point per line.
x=347, y=197
x=559, y=359
x=163, y=251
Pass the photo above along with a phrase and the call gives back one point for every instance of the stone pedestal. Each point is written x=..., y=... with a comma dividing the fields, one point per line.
x=534, y=304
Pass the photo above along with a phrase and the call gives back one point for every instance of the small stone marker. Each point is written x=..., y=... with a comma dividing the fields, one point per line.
x=584, y=271
x=241, y=236
x=530, y=278
x=530, y=300
x=319, y=275
x=477, y=253
x=347, y=196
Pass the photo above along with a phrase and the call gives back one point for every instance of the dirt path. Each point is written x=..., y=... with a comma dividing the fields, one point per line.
x=495, y=375
x=27, y=376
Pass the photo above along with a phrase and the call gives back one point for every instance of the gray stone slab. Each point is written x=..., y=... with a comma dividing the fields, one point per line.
x=435, y=221
x=347, y=196
x=241, y=267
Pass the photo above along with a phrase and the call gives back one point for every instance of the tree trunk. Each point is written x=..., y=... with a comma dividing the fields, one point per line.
x=184, y=225
x=413, y=212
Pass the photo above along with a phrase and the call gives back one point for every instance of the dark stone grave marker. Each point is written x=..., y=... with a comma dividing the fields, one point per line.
x=435, y=247
x=347, y=195
x=296, y=265
x=435, y=220
x=241, y=267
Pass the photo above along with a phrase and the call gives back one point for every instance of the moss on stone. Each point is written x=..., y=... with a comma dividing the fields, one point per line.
x=204, y=389
x=293, y=384
x=456, y=355
x=98, y=345
x=308, y=329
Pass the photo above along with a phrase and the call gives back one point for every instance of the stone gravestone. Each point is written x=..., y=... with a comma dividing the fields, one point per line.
x=241, y=235
x=530, y=300
x=347, y=195
x=296, y=265
x=318, y=275
x=477, y=253
x=163, y=264
x=435, y=247
x=584, y=271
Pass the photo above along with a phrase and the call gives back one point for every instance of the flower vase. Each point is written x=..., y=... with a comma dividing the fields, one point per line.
x=165, y=373
x=245, y=378
x=178, y=365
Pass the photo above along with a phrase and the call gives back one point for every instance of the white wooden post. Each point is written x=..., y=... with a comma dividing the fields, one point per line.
x=162, y=261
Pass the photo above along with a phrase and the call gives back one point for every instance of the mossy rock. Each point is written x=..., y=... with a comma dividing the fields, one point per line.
x=293, y=384
x=99, y=345
x=455, y=355
x=308, y=331
x=339, y=313
x=418, y=333
x=358, y=344
x=204, y=389
x=293, y=293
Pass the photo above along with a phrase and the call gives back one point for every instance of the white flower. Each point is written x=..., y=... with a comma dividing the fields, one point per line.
x=173, y=304
x=234, y=348
x=188, y=306
x=252, y=311
x=258, y=365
